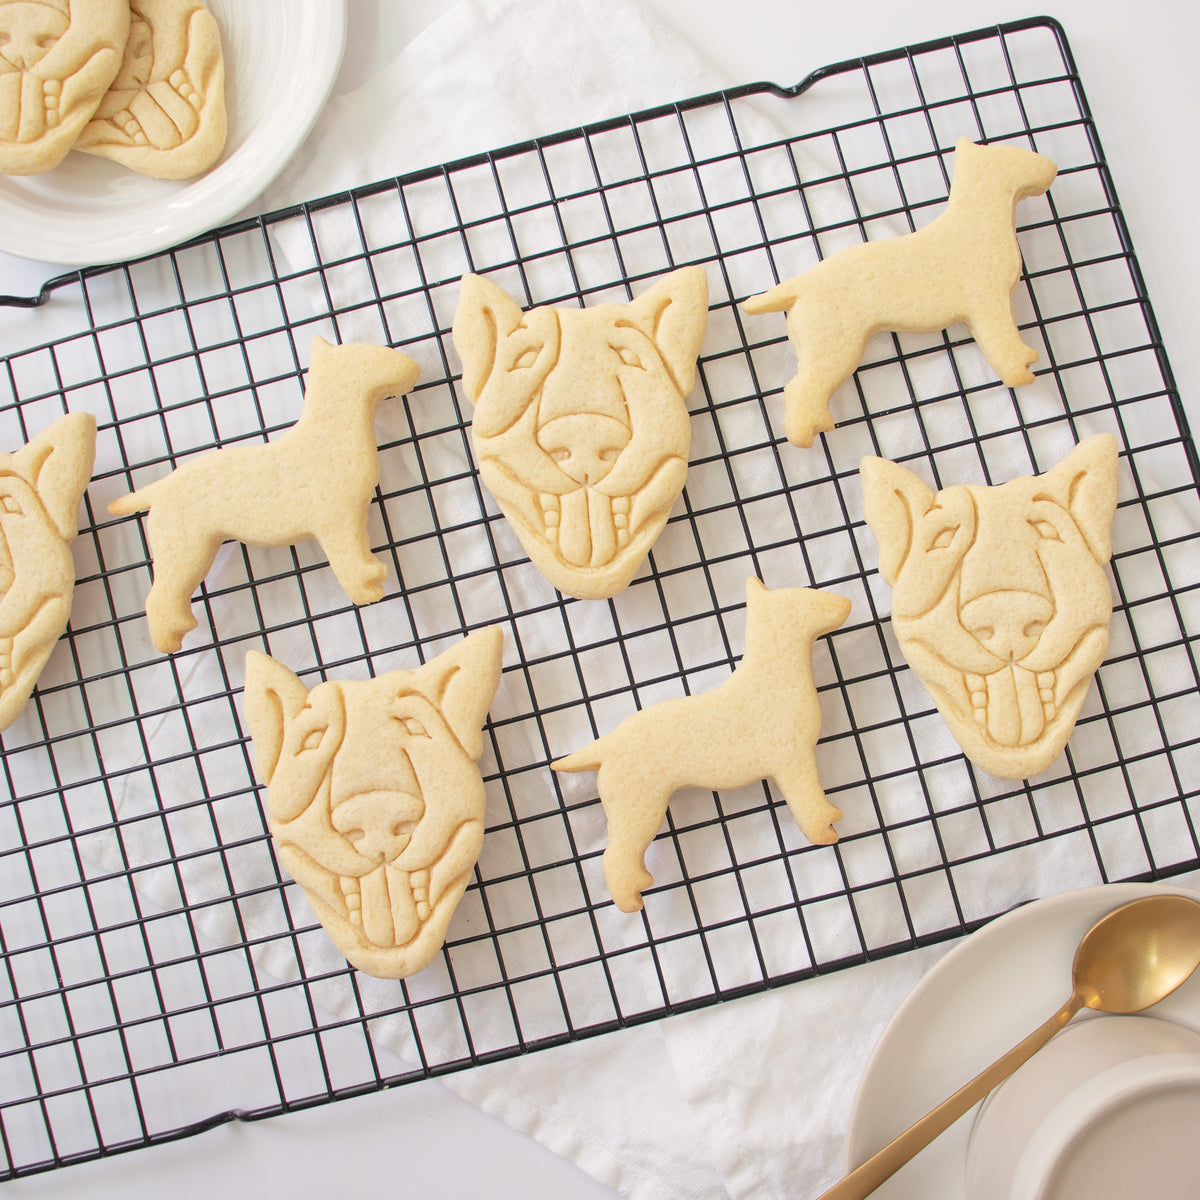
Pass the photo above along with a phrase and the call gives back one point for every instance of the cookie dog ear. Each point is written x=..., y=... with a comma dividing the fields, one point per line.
x=1085, y=483
x=486, y=314
x=892, y=497
x=273, y=696
x=465, y=679
x=674, y=315
x=58, y=465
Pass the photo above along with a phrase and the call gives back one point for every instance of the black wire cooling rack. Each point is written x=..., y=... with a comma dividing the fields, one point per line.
x=160, y=974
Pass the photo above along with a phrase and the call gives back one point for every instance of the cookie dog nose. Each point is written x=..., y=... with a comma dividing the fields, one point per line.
x=1007, y=622
x=584, y=445
x=378, y=824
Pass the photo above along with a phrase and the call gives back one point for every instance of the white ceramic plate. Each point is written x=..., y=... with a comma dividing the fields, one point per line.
x=281, y=60
x=979, y=1001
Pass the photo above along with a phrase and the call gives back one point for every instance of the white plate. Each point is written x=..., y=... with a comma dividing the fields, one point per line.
x=281, y=60
x=979, y=1001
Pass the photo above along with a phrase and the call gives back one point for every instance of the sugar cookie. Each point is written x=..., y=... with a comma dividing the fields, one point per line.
x=962, y=266
x=581, y=428
x=374, y=795
x=314, y=481
x=761, y=723
x=57, y=59
x=40, y=489
x=1000, y=600
x=164, y=114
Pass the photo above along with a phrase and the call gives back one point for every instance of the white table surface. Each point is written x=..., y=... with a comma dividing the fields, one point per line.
x=1136, y=64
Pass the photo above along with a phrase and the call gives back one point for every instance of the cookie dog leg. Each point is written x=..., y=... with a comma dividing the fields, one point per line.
x=826, y=357
x=359, y=572
x=993, y=326
x=814, y=814
x=634, y=816
x=181, y=560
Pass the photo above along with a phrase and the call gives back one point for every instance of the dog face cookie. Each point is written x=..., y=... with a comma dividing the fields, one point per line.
x=314, y=481
x=374, y=796
x=580, y=427
x=1000, y=599
x=57, y=59
x=761, y=723
x=40, y=489
x=963, y=266
x=164, y=115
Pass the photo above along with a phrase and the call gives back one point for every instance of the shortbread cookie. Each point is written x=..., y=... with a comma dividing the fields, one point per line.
x=1000, y=599
x=581, y=428
x=314, y=481
x=374, y=795
x=57, y=59
x=40, y=489
x=761, y=723
x=164, y=115
x=962, y=266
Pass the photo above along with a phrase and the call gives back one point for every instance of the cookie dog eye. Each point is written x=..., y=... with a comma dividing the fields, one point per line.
x=943, y=538
x=9, y=504
x=414, y=727
x=313, y=740
x=526, y=359
x=1045, y=531
x=628, y=357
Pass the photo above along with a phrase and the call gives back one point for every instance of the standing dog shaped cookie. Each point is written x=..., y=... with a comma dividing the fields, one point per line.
x=963, y=266
x=761, y=723
x=1000, y=599
x=40, y=489
x=314, y=481
x=374, y=796
x=581, y=427
x=164, y=115
x=57, y=59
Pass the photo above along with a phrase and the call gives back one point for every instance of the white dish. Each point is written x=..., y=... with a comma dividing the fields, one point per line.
x=281, y=60
x=978, y=1002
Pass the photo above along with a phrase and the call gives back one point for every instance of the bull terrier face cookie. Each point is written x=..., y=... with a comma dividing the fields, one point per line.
x=57, y=59
x=374, y=796
x=581, y=428
x=1000, y=600
x=164, y=115
x=40, y=489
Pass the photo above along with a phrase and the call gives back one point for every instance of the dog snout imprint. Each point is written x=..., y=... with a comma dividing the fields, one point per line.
x=40, y=489
x=374, y=796
x=1000, y=600
x=314, y=481
x=761, y=723
x=962, y=266
x=581, y=428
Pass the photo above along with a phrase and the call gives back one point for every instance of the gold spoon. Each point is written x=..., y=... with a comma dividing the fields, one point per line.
x=1132, y=958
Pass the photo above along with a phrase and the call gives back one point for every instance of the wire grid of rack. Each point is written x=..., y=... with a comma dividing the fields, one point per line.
x=161, y=974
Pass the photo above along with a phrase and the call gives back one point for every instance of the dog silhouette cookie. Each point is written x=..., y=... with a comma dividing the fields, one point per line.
x=314, y=481
x=40, y=489
x=1000, y=599
x=374, y=797
x=581, y=428
x=962, y=266
x=57, y=59
x=164, y=115
x=761, y=723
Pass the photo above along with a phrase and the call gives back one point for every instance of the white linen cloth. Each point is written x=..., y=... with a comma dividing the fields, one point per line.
x=749, y=1098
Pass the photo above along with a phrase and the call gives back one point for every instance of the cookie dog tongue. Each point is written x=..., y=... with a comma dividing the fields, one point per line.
x=1014, y=706
x=587, y=534
x=389, y=912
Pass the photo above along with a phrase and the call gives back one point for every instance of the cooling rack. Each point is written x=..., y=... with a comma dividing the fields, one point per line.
x=160, y=974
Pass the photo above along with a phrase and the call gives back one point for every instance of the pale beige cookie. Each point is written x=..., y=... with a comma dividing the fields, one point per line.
x=1000, y=599
x=164, y=115
x=57, y=59
x=374, y=796
x=761, y=723
x=962, y=266
x=40, y=489
x=314, y=481
x=581, y=428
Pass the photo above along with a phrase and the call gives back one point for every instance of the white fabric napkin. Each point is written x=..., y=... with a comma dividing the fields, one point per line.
x=749, y=1098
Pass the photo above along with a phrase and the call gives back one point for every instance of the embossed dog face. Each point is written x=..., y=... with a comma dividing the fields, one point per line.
x=580, y=428
x=374, y=798
x=40, y=489
x=999, y=597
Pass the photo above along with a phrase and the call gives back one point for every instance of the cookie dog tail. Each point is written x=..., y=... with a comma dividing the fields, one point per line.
x=137, y=501
x=587, y=759
x=779, y=299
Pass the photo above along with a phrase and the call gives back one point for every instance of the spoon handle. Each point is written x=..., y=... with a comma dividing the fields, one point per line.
x=884, y=1163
